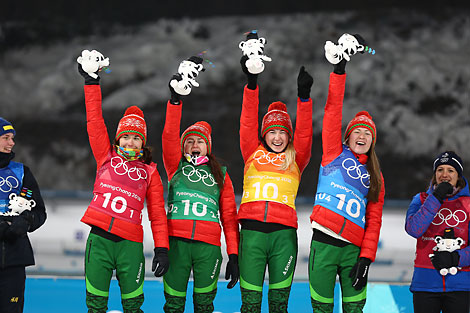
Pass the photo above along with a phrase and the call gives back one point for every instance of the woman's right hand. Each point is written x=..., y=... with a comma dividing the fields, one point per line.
x=251, y=78
x=442, y=191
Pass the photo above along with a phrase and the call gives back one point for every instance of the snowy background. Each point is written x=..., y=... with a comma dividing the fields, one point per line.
x=416, y=86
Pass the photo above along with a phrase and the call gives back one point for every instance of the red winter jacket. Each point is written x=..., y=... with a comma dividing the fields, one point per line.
x=368, y=238
x=269, y=211
x=204, y=231
x=101, y=147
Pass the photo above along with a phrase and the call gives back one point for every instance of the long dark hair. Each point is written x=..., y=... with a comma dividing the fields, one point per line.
x=373, y=167
x=147, y=153
x=216, y=170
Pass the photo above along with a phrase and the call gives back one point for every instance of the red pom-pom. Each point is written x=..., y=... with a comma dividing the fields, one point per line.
x=278, y=105
x=134, y=110
x=364, y=113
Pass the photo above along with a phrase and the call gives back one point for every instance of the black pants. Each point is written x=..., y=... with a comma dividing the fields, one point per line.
x=447, y=302
x=12, y=282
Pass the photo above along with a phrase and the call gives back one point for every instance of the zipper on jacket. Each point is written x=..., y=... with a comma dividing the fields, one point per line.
x=344, y=225
x=194, y=229
x=265, y=211
x=111, y=224
x=443, y=283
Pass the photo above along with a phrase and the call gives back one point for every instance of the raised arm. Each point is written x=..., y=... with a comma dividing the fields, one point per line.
x=97, y=132
x=331, y=132
x=249, y=139
x=171, y=145
x=303, y=125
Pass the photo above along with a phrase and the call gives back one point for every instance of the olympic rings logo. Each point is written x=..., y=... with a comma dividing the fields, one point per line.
x=356, y=171
x=121, y=168
x=9, y=183
x=452, y=219
x=194, y=175
x=274, y=158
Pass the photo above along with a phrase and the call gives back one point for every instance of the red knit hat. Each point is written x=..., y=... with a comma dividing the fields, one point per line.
x=201, y=129
x=132, y=122
x=277, y=117
x=362, y=119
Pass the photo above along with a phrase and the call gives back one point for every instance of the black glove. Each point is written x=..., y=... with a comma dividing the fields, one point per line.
x=340, y=68
x=442, y=190
x=359, y=273
x=361, y=41
x=231, y=271
x=3, y=228
x=175, y=97
x=304, y=83
x=88, y=79
x=160, y=259
x=252, y=78
x=445, y=259
x=19, y=227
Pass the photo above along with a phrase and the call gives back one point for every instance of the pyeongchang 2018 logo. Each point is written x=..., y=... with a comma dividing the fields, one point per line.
x=451, y=219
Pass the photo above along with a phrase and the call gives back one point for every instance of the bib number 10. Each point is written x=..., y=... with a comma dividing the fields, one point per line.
x=269, y=191
x=114, y=202
x=353, y=207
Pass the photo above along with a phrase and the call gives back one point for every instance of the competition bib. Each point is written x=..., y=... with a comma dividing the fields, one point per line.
x=193, y=193
x=264, y=181
x=11, y=181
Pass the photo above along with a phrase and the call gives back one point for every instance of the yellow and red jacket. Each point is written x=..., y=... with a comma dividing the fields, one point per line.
x=367, y=239
x=281, y=208
x=127, y=228
x=205, y=231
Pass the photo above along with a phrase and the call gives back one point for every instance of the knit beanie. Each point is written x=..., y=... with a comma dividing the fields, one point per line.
x=201, y=129
x=132, y=122
x=449, y=158
x=6, y=127
x=362, y=119
x=277, y=117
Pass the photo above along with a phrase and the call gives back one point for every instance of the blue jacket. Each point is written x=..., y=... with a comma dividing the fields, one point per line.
x=419, y=216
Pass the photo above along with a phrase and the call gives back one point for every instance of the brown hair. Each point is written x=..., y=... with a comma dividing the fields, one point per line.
x=216, y=170
x=460, y=181
x=373, y=167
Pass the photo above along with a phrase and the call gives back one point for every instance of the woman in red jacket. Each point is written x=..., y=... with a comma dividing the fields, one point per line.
x=125, y=178
x=273, y=166
x=347, y=214
x=200, y=197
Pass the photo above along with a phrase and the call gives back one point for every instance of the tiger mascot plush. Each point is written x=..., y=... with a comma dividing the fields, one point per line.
x=253, y=48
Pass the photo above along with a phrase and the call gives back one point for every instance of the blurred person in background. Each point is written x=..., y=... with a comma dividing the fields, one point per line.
x=347, y=214
x=439, y=220
x=18, y=190
x=125, y=178
x=274, y=163
x=200, y=198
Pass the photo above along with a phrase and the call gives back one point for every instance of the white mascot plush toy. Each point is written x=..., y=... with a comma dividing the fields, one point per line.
x=347, y=46
x=185, y=80
x=18, y=204
x=447, y=243
x=253, y=47
x=92, y=61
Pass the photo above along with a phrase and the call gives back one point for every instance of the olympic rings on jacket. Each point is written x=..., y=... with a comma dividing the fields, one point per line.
x=273, y=158
x=452, y=219
x=194, y=175
x=10, y=181
x=357, y=171
x=121, y=168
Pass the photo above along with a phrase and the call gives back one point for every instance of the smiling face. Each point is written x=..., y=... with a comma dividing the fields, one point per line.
x=195, y=145
x=446, y=173
x=277, y=139
x=6, y=142
x=360, y=140
x=130, y=141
